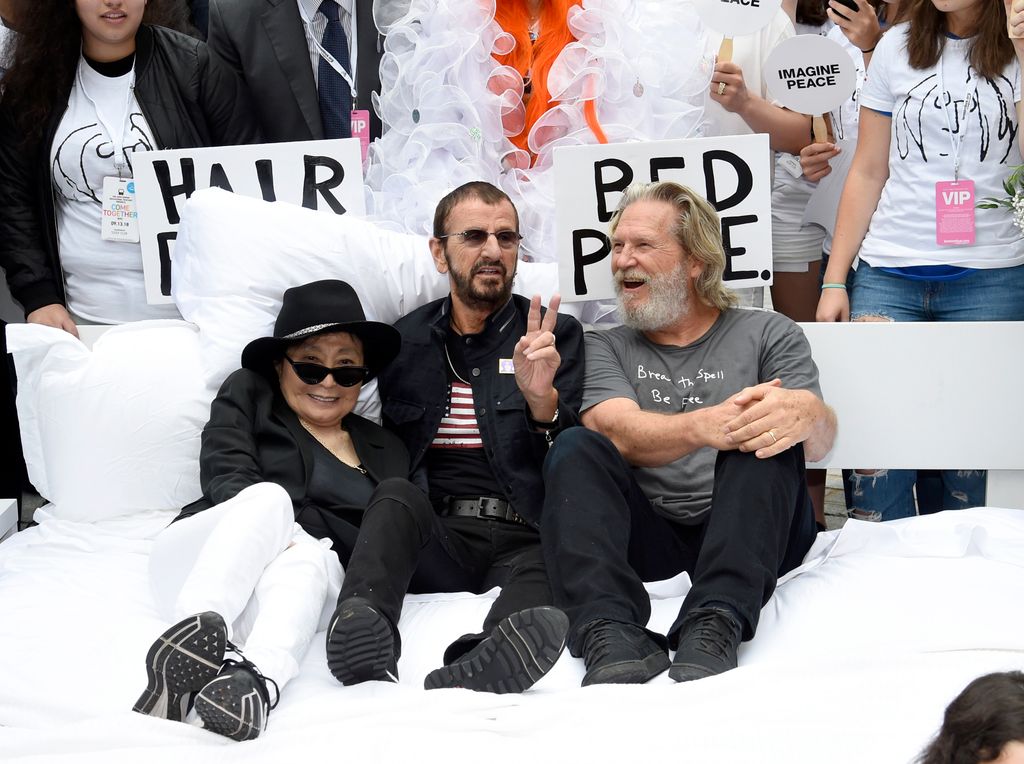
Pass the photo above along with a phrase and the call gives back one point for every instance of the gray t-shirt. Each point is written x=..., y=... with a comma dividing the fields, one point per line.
x=742, y=348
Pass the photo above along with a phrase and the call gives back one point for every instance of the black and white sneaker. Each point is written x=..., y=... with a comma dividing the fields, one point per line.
x=236, y=703
x=180, y=663
x=361, y=644
x=520, y=650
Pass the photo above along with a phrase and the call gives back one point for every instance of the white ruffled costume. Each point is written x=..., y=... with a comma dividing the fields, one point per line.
x=448, y=106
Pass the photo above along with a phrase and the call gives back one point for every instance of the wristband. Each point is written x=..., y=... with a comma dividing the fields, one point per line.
x=833, y=286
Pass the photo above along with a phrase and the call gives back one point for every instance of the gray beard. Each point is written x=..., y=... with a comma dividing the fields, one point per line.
x=667, y=302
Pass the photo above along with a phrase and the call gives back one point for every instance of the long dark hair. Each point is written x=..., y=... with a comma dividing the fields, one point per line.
x=991, y=49
x=46, y=51
x=987, y=715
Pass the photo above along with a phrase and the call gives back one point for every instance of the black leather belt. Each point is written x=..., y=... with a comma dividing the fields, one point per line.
x=486, y=507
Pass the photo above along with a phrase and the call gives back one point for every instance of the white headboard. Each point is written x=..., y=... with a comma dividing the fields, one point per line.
x=919, y=395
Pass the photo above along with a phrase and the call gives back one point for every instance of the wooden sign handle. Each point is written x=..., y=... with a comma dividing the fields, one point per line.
x=725, y=50
x=820, y=129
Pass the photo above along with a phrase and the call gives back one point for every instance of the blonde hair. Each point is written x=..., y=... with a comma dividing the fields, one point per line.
x=697, y=231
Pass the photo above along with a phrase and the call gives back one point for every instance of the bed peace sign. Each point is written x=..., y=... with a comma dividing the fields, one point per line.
x=536, y=360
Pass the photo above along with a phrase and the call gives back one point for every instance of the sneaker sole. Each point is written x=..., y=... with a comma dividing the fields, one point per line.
x=520, y=650
x=688, y=672
x=360, y=645
x=225, y=712
x=182, y=661
x=629, y=672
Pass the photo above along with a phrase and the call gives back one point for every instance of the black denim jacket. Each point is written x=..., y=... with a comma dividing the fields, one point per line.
x=414, y=391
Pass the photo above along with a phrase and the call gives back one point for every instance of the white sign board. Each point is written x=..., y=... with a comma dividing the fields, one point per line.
x=731, y=172
x=734, y=18
x=320, y=175
x=810, y=74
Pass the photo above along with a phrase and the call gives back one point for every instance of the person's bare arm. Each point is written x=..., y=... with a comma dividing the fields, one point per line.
x=649, y=439
x=787, y=130
x=863, y=189
x=1015, y=25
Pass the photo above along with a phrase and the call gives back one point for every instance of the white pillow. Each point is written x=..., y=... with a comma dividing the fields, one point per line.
x=235, y=256
x=948, y=581
x=115, y=430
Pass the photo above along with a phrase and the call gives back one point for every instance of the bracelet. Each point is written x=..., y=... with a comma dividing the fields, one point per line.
x=543, y=425
x=869, y=49
x=833, y=286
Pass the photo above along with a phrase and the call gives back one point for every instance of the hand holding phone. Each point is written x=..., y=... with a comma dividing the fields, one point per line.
x=858, y=21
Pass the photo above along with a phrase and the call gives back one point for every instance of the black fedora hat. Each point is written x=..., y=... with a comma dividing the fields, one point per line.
x=318, y=308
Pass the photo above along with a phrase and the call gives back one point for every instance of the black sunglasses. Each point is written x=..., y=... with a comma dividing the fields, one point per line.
x=477, y=237
x=314, y=373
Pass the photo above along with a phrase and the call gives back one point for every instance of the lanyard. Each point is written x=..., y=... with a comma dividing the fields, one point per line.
x=116, y=137
x=326, y=55
x=958, y=141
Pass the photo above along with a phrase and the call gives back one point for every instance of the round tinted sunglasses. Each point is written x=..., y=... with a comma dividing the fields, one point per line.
x=314, y=373
x=477, y=237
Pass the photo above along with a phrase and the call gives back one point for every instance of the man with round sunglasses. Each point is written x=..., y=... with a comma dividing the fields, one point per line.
x=484, y=382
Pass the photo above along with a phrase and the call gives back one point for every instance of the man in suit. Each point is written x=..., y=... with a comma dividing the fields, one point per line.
x=309, y=64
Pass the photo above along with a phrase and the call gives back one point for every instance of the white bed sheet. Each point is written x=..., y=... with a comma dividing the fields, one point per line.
x=856, y=656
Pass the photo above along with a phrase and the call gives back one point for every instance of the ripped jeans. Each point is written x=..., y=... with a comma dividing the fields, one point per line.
x=889, y=494
x=995, y=294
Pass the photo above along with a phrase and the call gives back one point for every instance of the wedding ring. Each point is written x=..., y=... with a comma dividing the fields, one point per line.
x=774, y=439
x=721, y=88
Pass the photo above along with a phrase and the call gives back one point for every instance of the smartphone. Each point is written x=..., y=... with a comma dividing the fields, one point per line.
x=849, y=4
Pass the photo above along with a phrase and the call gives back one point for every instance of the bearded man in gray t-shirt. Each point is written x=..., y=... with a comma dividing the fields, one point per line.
x=698, y=419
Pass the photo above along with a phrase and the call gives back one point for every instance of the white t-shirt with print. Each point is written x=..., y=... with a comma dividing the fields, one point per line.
x=103, y=279
x=902, y=229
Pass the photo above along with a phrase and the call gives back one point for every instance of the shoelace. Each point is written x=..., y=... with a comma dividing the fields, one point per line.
x=251, y=667
x=599, y=642
x=712, y=633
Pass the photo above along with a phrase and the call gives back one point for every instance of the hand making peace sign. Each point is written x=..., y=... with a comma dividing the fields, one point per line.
x=536, y=360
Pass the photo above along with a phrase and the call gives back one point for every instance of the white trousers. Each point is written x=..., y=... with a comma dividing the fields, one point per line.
x=248, y=560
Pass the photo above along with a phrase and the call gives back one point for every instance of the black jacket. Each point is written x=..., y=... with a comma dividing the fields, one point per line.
x=414, y=390
x=264, y=42
x=189, y=99
x=253, y=436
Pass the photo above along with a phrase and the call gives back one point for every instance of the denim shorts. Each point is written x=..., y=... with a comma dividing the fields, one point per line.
x=992, y=294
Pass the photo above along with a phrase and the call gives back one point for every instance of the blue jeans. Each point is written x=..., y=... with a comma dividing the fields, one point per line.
x=982, y=295
x=889, y=494
x=995, y=294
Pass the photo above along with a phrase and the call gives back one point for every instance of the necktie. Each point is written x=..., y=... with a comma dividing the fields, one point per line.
x=334, y=93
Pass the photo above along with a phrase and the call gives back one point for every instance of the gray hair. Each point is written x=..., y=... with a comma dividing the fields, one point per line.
x=697, y=230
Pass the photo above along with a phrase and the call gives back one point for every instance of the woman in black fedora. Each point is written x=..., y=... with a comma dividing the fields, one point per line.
x=284, y=462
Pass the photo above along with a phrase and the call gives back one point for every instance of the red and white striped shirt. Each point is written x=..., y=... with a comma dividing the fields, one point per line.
x=459, y=427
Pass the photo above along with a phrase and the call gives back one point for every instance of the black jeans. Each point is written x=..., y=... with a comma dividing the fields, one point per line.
x=13, y=477
x=602, y=538
x=403, y=546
